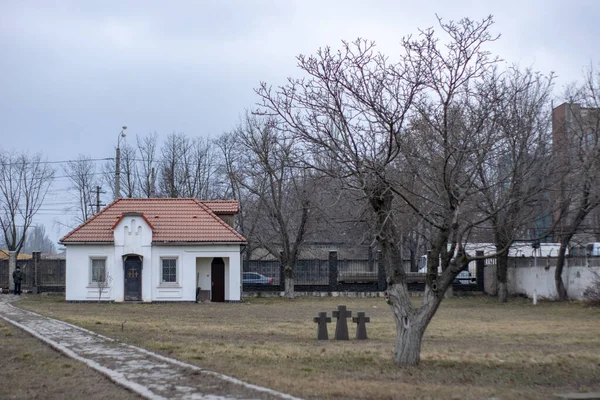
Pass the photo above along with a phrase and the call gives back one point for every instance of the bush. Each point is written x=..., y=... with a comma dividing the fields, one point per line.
x=592, y=293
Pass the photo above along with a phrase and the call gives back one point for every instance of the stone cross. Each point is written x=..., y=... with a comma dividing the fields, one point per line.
x=361, y=327
x=322, y=321
x=341, y=326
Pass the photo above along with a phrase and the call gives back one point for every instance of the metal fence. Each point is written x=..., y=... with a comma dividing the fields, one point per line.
x=50, y=273
x=268, y=268
x=356, y=271
x=311, y=272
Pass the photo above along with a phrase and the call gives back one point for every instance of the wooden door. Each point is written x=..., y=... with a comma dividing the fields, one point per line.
x=217, y=274
x=133, y=279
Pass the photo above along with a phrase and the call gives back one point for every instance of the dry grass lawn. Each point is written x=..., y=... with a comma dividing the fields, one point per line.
x=473, y=349
x=32, y=370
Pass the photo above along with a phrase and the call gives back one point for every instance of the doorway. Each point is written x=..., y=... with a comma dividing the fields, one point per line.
x=217, y=273
x=133, y=278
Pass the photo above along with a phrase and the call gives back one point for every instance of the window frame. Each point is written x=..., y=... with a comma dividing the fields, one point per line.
x=161, y=282
x=92, y=282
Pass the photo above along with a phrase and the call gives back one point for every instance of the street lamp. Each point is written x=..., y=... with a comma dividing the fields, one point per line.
x=118, y=162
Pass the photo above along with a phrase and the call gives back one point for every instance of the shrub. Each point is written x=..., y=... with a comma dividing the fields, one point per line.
x=592, y=293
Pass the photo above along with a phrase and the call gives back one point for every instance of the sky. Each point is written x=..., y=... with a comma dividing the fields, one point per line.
x=73, y=72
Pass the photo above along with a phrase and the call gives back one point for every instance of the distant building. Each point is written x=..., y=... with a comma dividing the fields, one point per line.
x=575, y=129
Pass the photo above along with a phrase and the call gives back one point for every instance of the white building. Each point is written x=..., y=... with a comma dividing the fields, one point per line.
x=156, y=250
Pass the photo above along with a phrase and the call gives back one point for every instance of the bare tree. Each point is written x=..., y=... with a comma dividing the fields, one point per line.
x=38, y=240
x=280, y=190
x=230, y=167
x=146, y=171
x=576, y=142
x=198, y=169
x=172, y=177
x=429, y=167
x=103, y=282
x=128, y=170
x=24, y=182
x=82, y=176
x=514, y=174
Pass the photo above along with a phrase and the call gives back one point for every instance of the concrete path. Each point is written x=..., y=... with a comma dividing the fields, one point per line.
x=148, y=374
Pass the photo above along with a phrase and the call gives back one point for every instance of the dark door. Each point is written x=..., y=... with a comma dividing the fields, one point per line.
x=133, y=279
x=217, y=274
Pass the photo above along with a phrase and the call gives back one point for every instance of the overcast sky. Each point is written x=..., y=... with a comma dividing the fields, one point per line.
x=73, y=72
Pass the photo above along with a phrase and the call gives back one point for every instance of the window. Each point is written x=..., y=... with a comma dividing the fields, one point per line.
x=98, y=270
x=169, y=270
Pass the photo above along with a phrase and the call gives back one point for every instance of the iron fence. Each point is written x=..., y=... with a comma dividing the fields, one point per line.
x=268, y=268
x=50, y=273
x=357, y=271
x=311, y=272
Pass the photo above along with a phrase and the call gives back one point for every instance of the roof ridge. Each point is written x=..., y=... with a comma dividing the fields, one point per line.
x=87, y=221
x=219, y=220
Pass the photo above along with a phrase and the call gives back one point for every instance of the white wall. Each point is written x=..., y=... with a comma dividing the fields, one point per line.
x=132, y=236
x=524, y=279
x=203, y=270
x=188, y=266
x=79, y=268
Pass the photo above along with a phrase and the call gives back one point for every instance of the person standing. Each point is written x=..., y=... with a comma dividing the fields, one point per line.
x=17, y=278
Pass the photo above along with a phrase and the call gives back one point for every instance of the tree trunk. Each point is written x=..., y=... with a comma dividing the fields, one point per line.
x=560, y=263
x=410, y=327
x=289, y=283
x=408, y=342
x=501, y=275
x=449, y=292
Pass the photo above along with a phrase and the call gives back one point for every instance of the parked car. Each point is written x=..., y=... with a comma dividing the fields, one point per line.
x=253, y=278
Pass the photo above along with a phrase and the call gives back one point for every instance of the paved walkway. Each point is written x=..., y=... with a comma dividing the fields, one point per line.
x=148, y=374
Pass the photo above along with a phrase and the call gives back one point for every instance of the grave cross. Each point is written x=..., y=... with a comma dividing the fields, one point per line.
x=322, y=321
x=361, y=327
x=341, y=326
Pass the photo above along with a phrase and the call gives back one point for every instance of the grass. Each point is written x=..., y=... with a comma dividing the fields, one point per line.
x=32, y=370
x=474, y=348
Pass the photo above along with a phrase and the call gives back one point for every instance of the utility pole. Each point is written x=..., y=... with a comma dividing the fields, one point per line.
x=153, y=183
x=118, y=164
x=97, y=199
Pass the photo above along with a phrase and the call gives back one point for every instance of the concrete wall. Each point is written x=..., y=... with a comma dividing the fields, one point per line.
x=526, y=276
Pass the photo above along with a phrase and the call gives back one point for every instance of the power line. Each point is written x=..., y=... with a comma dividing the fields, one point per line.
x=59, y=162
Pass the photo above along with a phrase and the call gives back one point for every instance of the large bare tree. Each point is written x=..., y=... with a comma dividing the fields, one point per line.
x=351, y=111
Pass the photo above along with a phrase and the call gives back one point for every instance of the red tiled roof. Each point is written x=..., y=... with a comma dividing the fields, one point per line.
x=222, y=206
x=172, y=220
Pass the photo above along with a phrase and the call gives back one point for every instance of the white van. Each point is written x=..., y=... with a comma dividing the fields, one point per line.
x=592, y=249
x=463, y=277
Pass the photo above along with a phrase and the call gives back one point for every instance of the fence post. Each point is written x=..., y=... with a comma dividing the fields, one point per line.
x=333, y=271
x=480, y=265
x=381, y=276
x=36, y=262
x=12, y=265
